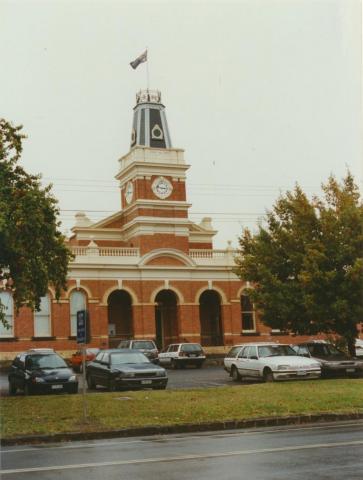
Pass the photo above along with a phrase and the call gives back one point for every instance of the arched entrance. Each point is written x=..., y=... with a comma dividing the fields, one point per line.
x=119, y=317
x=210, y=318
x=166, y=318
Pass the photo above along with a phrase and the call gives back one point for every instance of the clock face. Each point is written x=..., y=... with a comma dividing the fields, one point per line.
x=162, y=187
x=129, y=192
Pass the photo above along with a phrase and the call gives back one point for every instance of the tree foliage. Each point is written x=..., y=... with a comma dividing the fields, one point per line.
x=32, y=250
x=307, y=262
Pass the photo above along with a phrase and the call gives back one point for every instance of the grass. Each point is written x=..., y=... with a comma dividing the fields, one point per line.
x=63, y=413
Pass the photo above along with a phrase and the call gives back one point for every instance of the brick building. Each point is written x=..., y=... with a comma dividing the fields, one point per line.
x=146, y=271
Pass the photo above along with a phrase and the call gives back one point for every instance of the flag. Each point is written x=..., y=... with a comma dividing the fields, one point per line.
x=140, y=59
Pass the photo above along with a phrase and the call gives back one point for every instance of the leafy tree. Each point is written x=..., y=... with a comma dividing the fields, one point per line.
x=32, y=250
x=307, y=262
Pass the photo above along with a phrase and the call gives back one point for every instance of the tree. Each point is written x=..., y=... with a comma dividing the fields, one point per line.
x=306, y=264
x=32, y=250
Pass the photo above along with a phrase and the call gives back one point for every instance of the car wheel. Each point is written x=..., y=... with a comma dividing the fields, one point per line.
x=268, y=376
x=235, y=375
x=12, y=389
x=198, y=365
x=91, y=382
x=174, y=364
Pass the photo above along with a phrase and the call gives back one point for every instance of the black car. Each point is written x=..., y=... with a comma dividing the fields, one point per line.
x=41, y=371
x=147, y=347
x=124, y=369
x=333, y=362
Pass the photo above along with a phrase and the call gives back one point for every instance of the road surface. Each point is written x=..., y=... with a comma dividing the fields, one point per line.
x=318, y=452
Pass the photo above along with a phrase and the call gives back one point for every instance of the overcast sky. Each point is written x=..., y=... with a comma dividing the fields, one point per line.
x=260, y=93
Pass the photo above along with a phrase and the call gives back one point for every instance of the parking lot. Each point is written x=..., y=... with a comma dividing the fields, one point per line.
x=208, y=376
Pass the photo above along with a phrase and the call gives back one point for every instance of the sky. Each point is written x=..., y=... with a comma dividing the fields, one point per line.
x=261, y=94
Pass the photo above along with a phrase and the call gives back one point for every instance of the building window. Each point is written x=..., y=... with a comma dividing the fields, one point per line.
x=78, y=302
x=42, y=325
x=247, y=314
x=6, y=300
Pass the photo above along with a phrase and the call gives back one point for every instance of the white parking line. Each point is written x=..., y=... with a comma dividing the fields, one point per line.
x=180, y=458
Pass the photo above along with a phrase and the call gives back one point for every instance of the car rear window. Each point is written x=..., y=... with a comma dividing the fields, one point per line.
x=144, y=345
x=191, y=348
x=233, y=352
x=132, y=357
x=33, y=362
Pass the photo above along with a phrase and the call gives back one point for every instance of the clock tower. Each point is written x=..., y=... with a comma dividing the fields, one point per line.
x=152, y=182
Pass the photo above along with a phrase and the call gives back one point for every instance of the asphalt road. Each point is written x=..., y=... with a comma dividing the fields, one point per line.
x=318, y=452
x=188, y=378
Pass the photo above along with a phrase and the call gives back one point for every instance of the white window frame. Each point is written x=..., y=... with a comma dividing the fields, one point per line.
x=9, y=315
x=74, y=308
x=248, y=311
x=44, y=313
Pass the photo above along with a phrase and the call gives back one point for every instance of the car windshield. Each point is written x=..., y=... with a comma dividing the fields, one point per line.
x=324, y=350
x=275, y=351
x=34, y=362
x=191, y=348
x=143, y=345
x=132, y=357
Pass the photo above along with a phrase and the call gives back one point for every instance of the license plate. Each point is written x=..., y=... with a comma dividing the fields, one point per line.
x=301, y=372
x=146, y=382
x=350, y=370
x=193, y=355
x=57, y=387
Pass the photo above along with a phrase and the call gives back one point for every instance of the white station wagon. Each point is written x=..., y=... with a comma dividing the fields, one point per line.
x=179, y=355
x=272, y=361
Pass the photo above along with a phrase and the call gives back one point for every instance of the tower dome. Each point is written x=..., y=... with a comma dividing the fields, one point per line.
x=149, y=127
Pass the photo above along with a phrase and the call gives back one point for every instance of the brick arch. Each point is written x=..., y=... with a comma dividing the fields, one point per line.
x=108, y=292
x=221, y=293
x=240, y=291
x=86, y=290
x=179, y=295
x=171, y=253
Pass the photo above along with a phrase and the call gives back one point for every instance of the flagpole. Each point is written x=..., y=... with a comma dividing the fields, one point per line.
x=147, y=69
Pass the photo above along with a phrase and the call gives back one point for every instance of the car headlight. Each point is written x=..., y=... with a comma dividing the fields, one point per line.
x=160, y=373
x=38, y=380
x=283, y=367
x=72, y=378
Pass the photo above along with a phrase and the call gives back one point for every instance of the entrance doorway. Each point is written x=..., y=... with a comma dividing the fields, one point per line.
x=166, y=318
x=210, y=318
x=120, y=325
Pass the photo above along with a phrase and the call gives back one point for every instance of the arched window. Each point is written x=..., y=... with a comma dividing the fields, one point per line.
x=77, y=302
x=6, y=300
x=247, y=314
x=42, y=319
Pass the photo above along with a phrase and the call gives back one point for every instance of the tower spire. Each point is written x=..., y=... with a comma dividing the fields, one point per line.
x=150, y=127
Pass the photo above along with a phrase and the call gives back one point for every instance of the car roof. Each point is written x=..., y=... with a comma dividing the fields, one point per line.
x=39, y=350
x=115, y=350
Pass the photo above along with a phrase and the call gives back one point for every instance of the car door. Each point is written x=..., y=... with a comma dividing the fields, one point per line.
x=104, y=370
x=254, y=364
x=241, y=362
x=94, y=368
x=17, y=372
x=245, y=366
x=165, y=357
